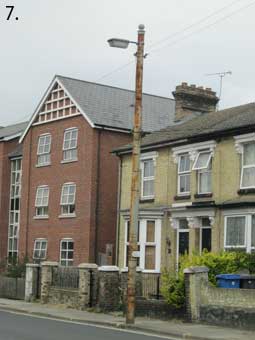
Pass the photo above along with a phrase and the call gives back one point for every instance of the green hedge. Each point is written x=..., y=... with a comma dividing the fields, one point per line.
x=173, y=289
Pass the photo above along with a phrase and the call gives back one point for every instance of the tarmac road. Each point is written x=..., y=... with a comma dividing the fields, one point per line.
x=14, y=326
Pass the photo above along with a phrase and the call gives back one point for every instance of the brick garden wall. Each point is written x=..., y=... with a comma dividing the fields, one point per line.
x=218, y=306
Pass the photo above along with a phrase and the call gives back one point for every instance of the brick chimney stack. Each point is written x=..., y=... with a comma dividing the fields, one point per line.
x=190, y=99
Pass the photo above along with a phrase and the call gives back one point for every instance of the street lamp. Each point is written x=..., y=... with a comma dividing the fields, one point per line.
x=135, y=184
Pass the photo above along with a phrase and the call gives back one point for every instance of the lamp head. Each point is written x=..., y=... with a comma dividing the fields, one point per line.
x=119, y=43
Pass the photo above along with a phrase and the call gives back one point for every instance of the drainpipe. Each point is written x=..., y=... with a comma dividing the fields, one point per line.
x=97, y=195
x=118, y=212
x=28, y=192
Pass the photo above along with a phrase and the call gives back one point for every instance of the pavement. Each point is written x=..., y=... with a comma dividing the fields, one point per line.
x=172, y=329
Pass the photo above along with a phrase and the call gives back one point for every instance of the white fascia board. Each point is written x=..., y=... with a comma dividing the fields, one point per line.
x=52, y=84
x=247, y=137
x=76, y=104
x=49, y=89
x=195, y=146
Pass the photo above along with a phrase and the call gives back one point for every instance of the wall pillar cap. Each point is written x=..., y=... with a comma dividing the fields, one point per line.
x=108, y=269
x=124, y=270
x=32, y=265
x=50, y=264
x=195, y=270
x=88, y=266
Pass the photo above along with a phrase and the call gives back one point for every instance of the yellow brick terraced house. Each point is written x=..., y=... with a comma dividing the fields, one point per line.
x=197, y=186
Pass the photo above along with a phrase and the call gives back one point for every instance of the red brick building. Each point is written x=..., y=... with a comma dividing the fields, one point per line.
x=68, y=209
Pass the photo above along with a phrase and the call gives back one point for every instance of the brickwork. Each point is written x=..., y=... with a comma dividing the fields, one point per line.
x=96, y=177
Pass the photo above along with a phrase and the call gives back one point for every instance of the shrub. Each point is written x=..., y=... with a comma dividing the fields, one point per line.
x=173, y=288
x=16, y=268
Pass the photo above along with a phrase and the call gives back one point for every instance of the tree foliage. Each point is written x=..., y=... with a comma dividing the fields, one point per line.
x=173, y=288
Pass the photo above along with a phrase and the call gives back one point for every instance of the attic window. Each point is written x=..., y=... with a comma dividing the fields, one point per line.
x=202, y=160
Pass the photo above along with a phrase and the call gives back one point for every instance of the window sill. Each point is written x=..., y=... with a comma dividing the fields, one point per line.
x=42, y=165
x=69, y=161
x=67, y=216
x=249, y=191
x=208, y=195
x=46, y=217
x=139, y=270
x=183, y=197
x=146, y=200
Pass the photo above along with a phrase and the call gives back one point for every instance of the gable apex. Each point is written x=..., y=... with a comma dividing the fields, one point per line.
x=57, y=103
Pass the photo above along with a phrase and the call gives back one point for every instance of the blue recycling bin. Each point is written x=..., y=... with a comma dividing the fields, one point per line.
x=228, y=281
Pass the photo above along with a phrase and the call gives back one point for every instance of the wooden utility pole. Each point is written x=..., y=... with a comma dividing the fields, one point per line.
x=135, y=185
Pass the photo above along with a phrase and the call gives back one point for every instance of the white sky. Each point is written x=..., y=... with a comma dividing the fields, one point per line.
x=69, y=37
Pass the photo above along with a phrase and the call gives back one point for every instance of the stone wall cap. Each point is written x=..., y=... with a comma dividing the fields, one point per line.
x=32, y=265
x=50, y=263
x=108, y=269
x=88, y=266
x=124, y=270
x=195, y=270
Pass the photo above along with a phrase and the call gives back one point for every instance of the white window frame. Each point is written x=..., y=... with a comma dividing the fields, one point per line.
x=40, y=240
x=143, y=243
x=69, y=204
x=188, y=172
x=66, y=259
x=246, y=167
x=43, y=153
x=70, y=148
x=244, y=246
x=197, y=157
x=148, y=178
x=203, y=171
x=46, y=205
x=14, y=213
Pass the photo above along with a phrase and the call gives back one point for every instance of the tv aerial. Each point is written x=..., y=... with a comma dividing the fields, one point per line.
x=221, y=75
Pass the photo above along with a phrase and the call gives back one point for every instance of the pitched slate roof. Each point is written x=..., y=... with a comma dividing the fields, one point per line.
x=12, y=130
x=114, y=107
x=17, y=152
x=202, y=126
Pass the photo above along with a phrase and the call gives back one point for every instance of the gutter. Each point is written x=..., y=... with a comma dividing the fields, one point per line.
x=149, y=147
x=112, y=128
x=192, y=139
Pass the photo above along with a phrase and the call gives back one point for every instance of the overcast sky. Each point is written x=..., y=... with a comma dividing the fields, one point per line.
x=68, y=37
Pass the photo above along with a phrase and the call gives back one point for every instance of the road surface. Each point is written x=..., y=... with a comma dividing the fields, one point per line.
x=14, y=326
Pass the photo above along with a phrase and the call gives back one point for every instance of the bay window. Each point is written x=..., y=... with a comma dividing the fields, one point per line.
x=148, y=239
x=248, y=166
x=240, y=232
